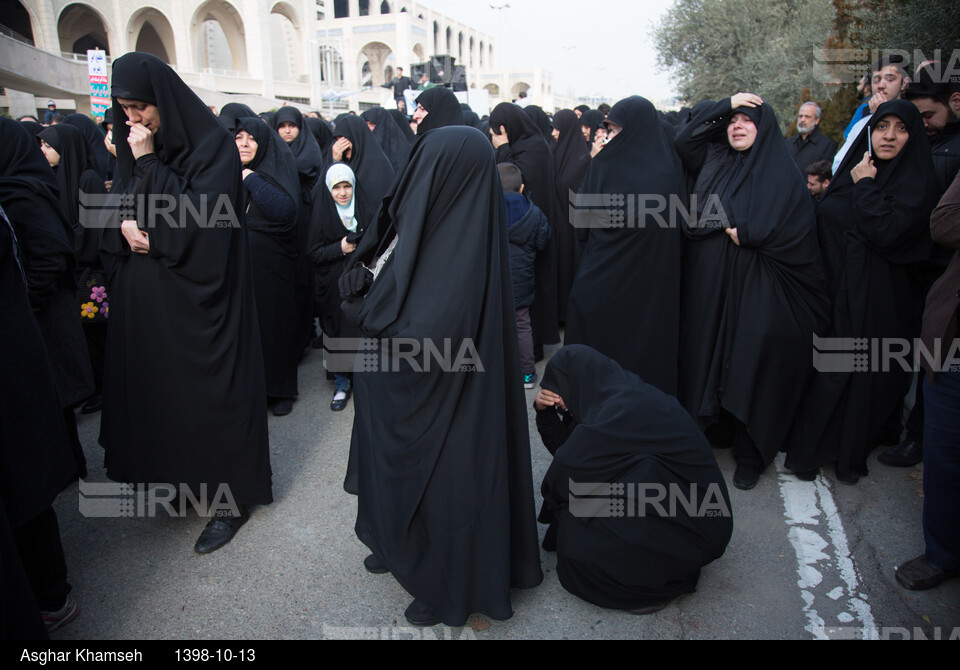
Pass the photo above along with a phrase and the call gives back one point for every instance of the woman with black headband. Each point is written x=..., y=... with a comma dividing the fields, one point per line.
x=184, y=395
x=874, y=227
x=753, y=284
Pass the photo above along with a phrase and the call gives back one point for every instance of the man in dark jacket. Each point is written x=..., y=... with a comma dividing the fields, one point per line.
x=938, y=100
x=941, y=449
x=399, y=84
x=810, y=145
x=528, y=232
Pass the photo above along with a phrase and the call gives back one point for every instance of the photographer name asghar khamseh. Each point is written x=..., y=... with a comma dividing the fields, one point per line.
x=48, y=656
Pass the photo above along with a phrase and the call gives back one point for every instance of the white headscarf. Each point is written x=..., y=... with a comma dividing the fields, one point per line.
x=338, y=173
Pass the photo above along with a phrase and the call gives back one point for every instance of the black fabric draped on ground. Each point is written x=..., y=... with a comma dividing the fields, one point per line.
x=625, y=300
x=445, y=483
x=627, y=432
x=184, y=400
x=274, y=253
x=749, y=311
x=528, y=150
x=874, y=234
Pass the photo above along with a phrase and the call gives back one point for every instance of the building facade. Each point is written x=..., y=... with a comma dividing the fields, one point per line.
x=315, y=54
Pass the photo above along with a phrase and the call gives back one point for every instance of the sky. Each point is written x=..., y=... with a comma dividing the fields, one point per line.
x=604, y=47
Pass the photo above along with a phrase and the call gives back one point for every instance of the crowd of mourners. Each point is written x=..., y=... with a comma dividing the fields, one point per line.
x=170, y=268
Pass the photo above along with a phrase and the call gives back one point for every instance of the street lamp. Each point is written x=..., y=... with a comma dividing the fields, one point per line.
x=500, y=9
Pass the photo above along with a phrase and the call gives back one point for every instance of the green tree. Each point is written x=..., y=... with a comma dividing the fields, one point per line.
x=716, y=48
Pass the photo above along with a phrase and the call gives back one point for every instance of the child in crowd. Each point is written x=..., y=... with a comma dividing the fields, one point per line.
x=528, y=232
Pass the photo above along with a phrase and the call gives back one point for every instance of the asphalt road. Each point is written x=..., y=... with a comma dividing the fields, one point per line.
x=807, y=560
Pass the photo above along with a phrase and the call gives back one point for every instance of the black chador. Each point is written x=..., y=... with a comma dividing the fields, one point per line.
x=184, y=399
x=445, y=491
x=570, y=160
x=271, y=204
x=529, y=151
x=749, y=310
x=623, y=431
x=873, y=234
x=625, y=300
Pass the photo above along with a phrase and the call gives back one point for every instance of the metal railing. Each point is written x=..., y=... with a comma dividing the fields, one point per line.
x=13, y=34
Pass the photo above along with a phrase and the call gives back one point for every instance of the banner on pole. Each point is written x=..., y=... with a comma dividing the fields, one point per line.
x=99, y=91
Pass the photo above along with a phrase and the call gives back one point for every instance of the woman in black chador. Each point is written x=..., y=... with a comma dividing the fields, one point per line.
x=66, y=150
x=570, y=162
x=356, y=146
x=437, y=108
x=30, y=194
x=388, y=135
x=753, y=285
x=289, y=123
x=518, y=140
x=444, y=481
x=271, y=197
x=625, y=299
x=616, y=429
x=184, y=399
x=874, y=226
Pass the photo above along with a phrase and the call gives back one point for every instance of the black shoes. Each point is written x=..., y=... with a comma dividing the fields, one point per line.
x=341, y=404
x=220, y=531
x=919, y=575
x=807, y=475
x=282, y=406
x=374, y=565
x=849, y=478
x=905, y=455
x=420, y=615
x=746, y=476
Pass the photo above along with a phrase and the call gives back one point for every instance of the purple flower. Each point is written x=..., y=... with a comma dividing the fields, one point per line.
x=98, y=293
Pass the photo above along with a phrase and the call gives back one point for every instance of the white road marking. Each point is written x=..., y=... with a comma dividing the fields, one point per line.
x=823, y=559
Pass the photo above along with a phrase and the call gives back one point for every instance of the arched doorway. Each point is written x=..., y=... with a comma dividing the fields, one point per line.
x=80, y=28
x=218, y=37
x=150, y=32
